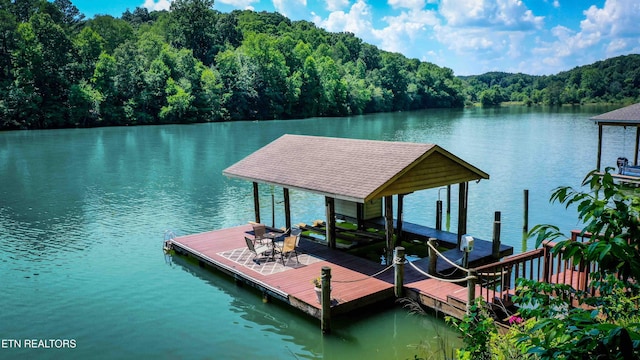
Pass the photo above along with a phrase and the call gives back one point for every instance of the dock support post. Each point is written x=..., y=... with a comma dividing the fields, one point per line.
x=400, y=213
x=439, y=214
x=433, y=257
x=388, y=227
x=599, y=147
x=287, y=208
x=525, y=226
x=398, y=263
x=463, y=198
x=326, y=300
x=331, y=222
x=471, y=289
x=635, y=156
x=448, y=223
x=495, y=249
x=256, y=201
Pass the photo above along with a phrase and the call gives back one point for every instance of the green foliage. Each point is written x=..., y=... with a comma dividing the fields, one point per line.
x=611, y=212
x=476, y=327
x=606, y=326
x=55, y=64
x=614, y=80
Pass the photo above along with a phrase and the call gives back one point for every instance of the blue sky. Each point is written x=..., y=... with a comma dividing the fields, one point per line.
x=469, y=36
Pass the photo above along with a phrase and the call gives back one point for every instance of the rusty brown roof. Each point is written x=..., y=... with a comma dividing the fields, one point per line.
x=629, y=115
x=350, y=169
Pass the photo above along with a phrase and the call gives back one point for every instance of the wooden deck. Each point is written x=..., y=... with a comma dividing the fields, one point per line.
x=351, y=284
x=293, y=284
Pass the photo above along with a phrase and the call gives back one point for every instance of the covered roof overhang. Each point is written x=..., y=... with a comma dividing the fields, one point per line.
x=626, y=116
x=354, y=170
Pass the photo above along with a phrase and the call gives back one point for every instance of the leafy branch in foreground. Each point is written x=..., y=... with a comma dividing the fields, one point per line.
x=605, y=323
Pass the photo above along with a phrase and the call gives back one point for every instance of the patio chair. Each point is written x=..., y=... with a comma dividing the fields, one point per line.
x=289, y=246
x=258, y=232
x=256, y=250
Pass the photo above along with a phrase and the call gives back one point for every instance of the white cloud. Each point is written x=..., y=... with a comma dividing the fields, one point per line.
x=291, y=8
x=335, y=5
x=408, y=4
x=242, y=4
x=405, y=29
x=605, y=32
x=616, y=18
x=153, y=5
x=357, y=20
x=506, y=14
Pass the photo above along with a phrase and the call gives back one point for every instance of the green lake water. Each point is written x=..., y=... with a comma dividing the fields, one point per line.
x=83, y=212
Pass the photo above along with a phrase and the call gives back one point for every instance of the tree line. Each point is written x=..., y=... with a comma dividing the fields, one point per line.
x=195, y=64
x=615, y=80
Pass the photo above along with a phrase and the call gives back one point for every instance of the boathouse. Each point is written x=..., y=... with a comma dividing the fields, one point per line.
x=628, y=116
x=356, y=175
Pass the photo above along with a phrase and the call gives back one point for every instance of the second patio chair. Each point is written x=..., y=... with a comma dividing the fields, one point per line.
x=258, y=232
x=259, y=250
x=289, y=246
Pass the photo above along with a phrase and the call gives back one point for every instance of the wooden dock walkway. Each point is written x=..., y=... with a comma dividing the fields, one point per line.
x=352, y=287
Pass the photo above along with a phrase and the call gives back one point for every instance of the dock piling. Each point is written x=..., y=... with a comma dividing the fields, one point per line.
x=433, y=257
x=471, y=289
x=326, y=300
x=439, y=214
x=399, y=271
x=525, y=226
x=495, y=249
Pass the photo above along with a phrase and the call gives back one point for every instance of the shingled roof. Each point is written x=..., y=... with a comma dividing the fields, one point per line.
x=350, y=169
x=629, y=115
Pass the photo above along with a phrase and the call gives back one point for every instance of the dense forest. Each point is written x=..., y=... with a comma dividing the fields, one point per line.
x=195, y=64
x=615, y=80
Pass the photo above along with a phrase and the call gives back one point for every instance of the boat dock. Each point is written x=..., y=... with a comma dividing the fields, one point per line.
x=356, y=283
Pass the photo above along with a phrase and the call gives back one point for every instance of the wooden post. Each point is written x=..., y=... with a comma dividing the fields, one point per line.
x=439, y=215
x=273, y=208
x=599, y=146
x=471, y=289
x=548, y=265
x=388, y=227
x=448, y=223
x=287, y=208
x=433, y=257
x=462, y=210
x=525, y=226
x=326, y=300
x=635, y=157
x=495, y=249
x=330, y=207
x=399, y=271
x=400, y=219
x=256, y=201
x=360, y=216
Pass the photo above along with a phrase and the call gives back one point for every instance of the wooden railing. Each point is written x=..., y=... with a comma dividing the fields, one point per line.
x=497, y=280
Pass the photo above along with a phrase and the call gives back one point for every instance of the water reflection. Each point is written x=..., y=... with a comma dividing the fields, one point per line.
x=390, y=333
